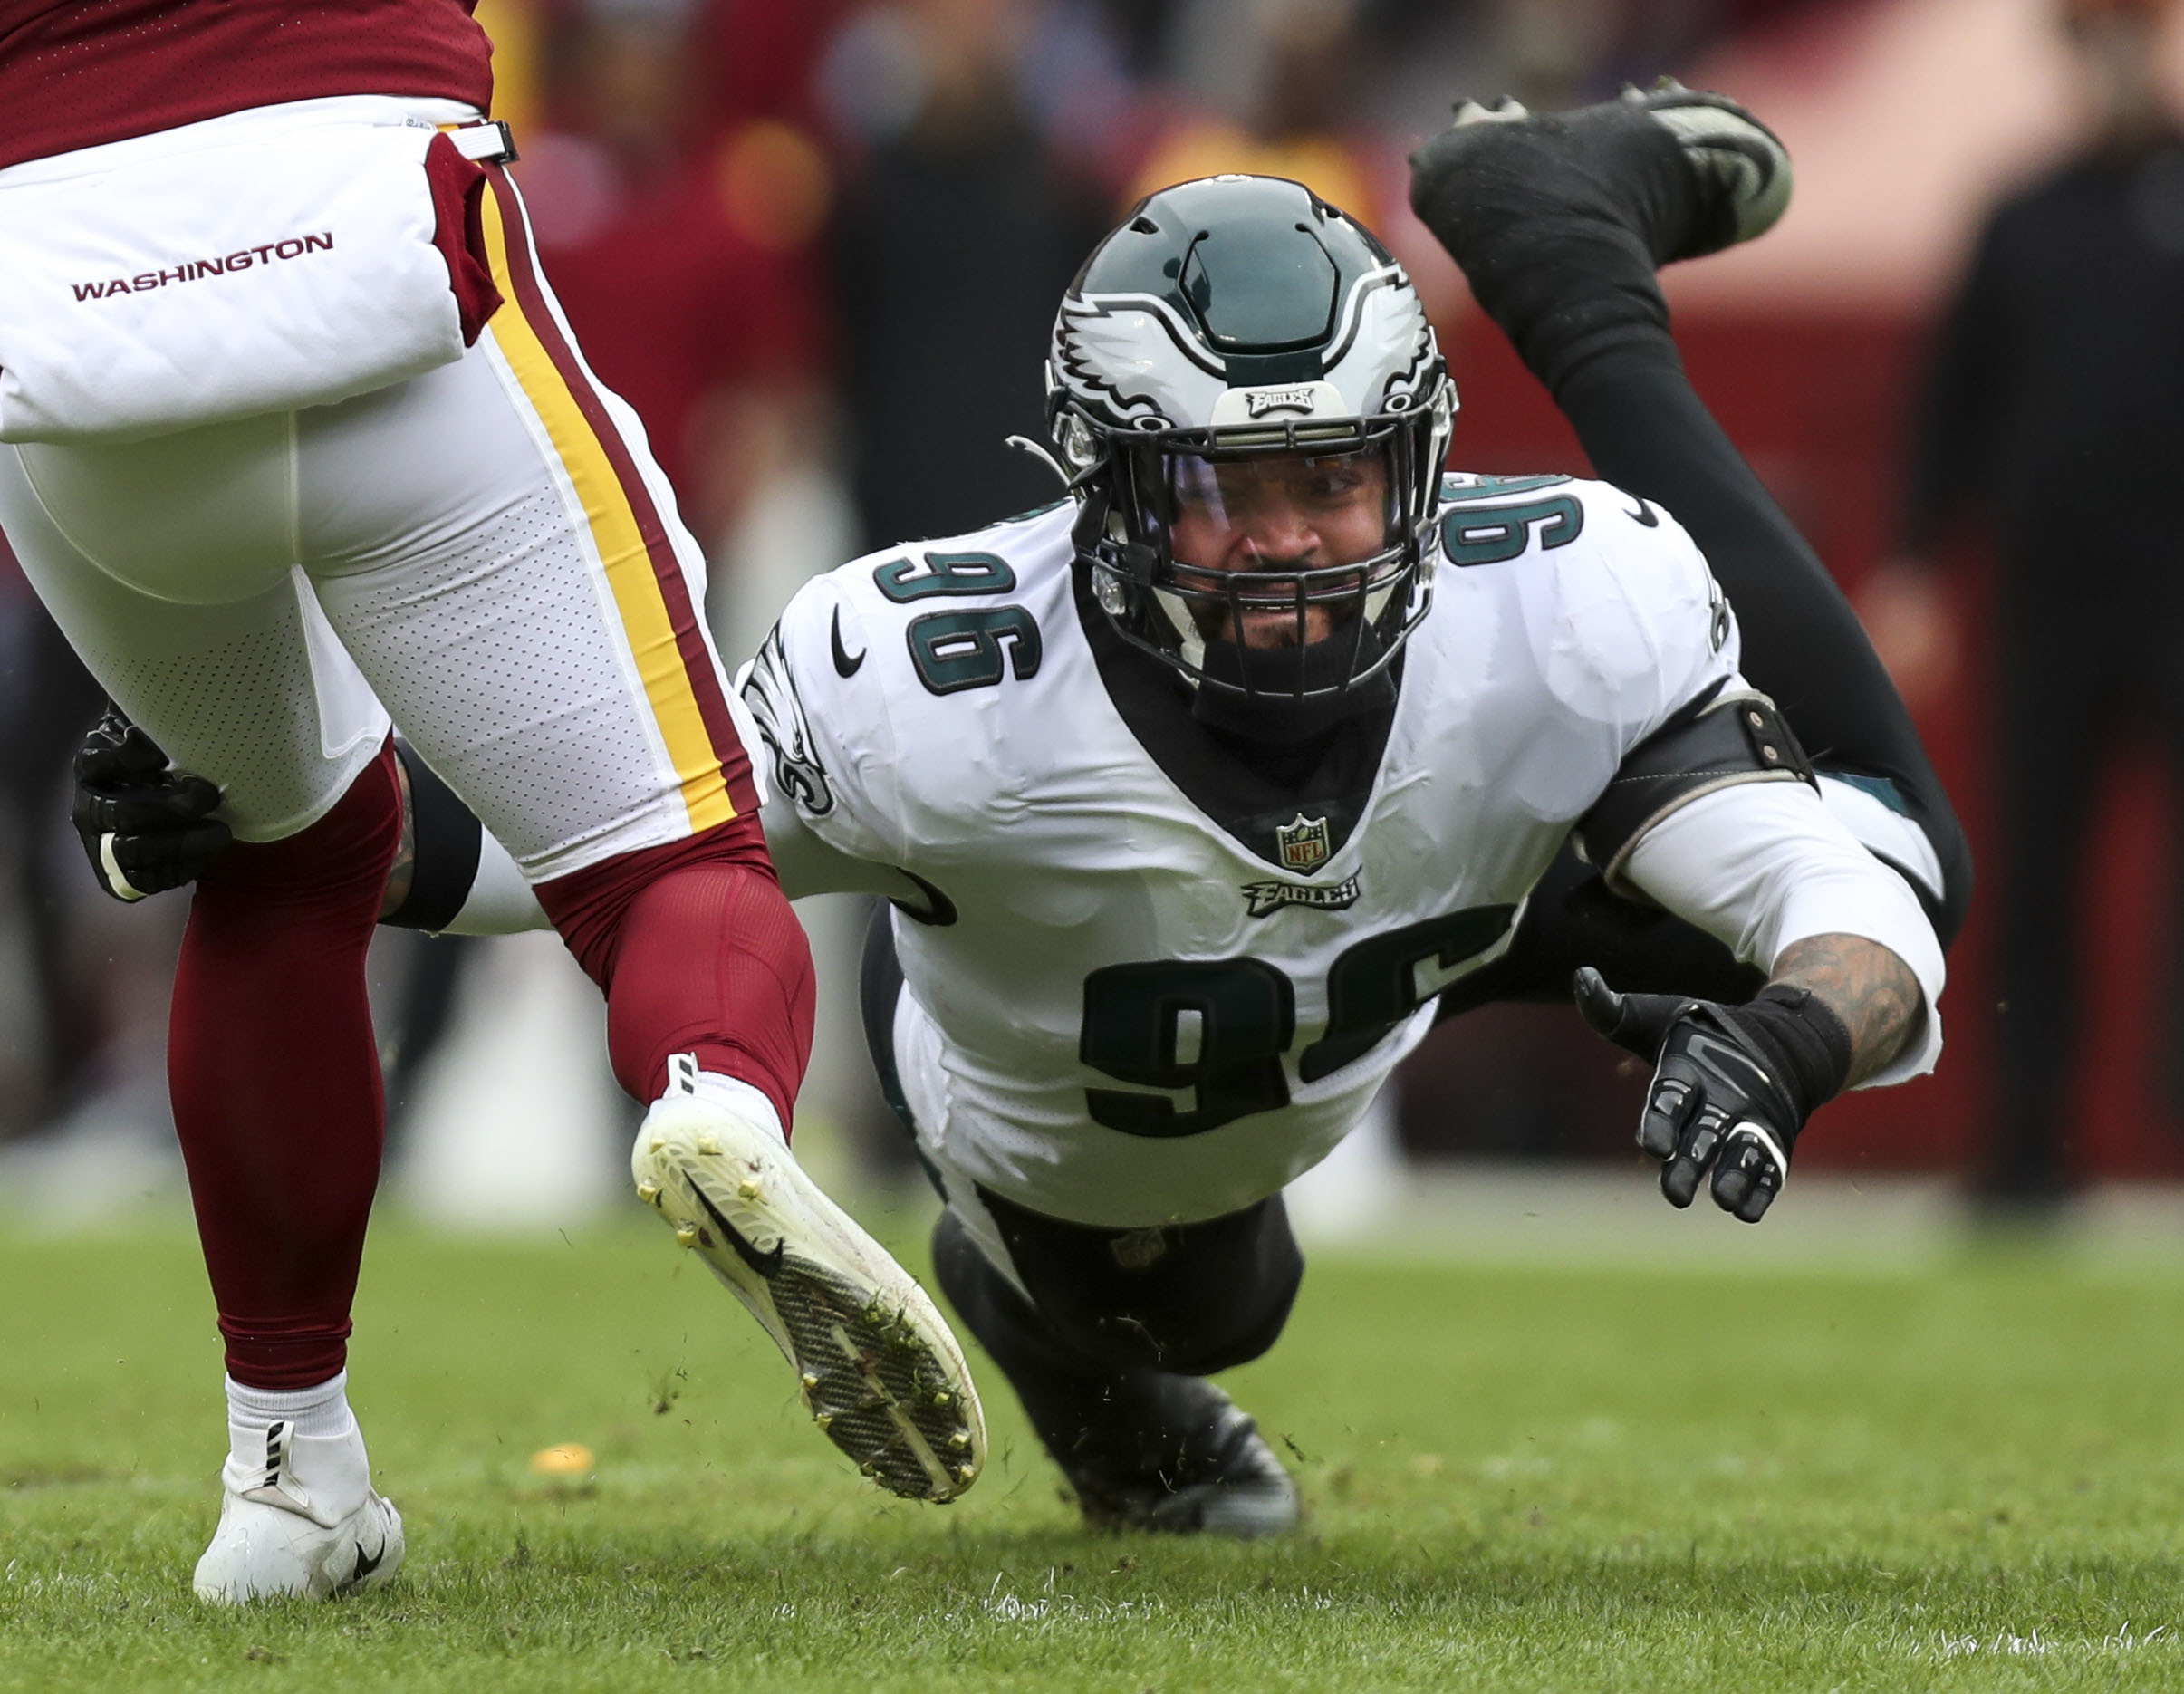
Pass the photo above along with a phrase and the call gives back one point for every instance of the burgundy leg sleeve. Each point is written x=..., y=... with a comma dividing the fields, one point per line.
x=275, y=1081
x=697, y=951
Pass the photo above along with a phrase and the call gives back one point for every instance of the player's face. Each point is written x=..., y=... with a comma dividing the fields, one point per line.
x=1298, y=511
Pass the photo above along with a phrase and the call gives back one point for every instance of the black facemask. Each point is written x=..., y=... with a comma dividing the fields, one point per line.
x=1274, y=712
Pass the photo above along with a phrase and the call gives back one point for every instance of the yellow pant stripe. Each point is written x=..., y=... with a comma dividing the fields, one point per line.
x=616, y=531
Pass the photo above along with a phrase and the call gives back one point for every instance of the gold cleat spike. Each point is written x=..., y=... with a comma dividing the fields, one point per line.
x=710, y=1145
x=687, y=1234
x=748, y=1187
x=649, y=1192
x=660, y=1144
x=810, y=1382
x=966, y=1473
x=941, y=1397
x=824, y=1420
x=960, y=1439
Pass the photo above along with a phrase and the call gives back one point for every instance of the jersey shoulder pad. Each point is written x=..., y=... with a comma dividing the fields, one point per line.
x=1626, y=620
x=962, y=613
x=828, y=736
x=846, y=688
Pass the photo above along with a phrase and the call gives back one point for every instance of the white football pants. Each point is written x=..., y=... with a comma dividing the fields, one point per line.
x=488, y=549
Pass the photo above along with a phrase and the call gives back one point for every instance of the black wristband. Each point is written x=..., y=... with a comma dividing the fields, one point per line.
x=1806, y=1045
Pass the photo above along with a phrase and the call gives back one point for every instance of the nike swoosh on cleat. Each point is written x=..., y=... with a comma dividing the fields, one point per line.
x=844, y=666
x=767, y=1264
x=1645, y=513
x=366, y=1566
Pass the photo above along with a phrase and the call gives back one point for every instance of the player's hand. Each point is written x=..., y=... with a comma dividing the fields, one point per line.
x=1717, y=1101
x=144, y=827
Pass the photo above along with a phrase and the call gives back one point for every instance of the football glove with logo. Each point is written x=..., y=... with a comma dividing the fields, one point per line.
x=1732, y=1085
x=145, y=828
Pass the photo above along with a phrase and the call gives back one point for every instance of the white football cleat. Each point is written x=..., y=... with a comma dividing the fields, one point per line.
x=878, y=1368
x=304, y=1523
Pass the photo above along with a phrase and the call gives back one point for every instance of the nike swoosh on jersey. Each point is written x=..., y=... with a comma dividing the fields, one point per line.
x=845, y=666
x=1645, y=514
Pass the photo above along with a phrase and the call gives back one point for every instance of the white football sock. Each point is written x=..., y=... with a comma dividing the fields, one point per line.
x=320, y=1410
x=728, y=1092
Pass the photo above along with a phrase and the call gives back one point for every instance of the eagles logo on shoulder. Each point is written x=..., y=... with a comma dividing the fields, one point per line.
x=770, y=692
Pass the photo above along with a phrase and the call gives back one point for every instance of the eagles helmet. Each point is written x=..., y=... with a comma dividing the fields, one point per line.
x=1253, y=409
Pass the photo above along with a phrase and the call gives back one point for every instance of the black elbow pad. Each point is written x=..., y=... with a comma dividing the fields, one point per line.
x=1718, y=742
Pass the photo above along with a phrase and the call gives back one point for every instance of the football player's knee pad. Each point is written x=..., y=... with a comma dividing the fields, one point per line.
x=1192, y=1298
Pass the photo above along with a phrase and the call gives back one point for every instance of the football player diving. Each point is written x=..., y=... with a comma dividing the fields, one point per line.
x=1200, y=797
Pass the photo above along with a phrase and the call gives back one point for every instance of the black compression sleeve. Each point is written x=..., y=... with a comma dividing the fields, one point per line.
x=448, y=839
x=1647, y=431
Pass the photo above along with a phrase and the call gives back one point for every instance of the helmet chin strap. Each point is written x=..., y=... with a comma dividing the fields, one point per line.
x=1273, y=713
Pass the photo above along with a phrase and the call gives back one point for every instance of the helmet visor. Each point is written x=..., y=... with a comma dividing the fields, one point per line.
x=1279, y=550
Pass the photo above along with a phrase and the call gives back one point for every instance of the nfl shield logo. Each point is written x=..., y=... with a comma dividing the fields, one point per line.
x=1302, y=844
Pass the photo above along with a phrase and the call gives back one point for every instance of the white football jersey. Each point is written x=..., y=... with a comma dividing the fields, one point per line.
x=1159, y=986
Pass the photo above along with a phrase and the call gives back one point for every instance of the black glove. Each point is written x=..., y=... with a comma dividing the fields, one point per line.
x=145, y=828
x=1732, y=1085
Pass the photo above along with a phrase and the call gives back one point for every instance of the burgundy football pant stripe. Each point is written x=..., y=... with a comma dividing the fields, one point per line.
x=666, y=571
x=275, y=1081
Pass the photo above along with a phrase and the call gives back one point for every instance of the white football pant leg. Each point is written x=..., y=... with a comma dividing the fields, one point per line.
x=253, y=692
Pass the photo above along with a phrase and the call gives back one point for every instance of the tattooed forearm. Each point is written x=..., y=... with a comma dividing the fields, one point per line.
x=1865, y=985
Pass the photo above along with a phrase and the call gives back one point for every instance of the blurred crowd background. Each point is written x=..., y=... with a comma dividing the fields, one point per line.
x=817, y=244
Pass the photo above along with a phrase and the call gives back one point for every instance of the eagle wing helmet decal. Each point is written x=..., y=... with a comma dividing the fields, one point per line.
x=1384, y=336
x=1100, y=349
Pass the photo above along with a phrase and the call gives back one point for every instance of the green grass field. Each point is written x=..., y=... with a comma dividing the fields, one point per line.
x=1517, y=1477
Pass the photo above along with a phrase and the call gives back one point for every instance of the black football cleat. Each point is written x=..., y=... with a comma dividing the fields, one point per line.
x=1560, y=219
x=1174, y=1455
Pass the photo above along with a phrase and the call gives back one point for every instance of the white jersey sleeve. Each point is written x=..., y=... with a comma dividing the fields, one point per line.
x=1590, y=617
x=830, y=748
x=1765, y=865
x=1629, y=627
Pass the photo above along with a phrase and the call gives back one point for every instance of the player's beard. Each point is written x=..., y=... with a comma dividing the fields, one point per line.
x=1295, y=692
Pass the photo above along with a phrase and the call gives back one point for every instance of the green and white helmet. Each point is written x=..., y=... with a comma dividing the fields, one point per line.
x=1232, y=328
